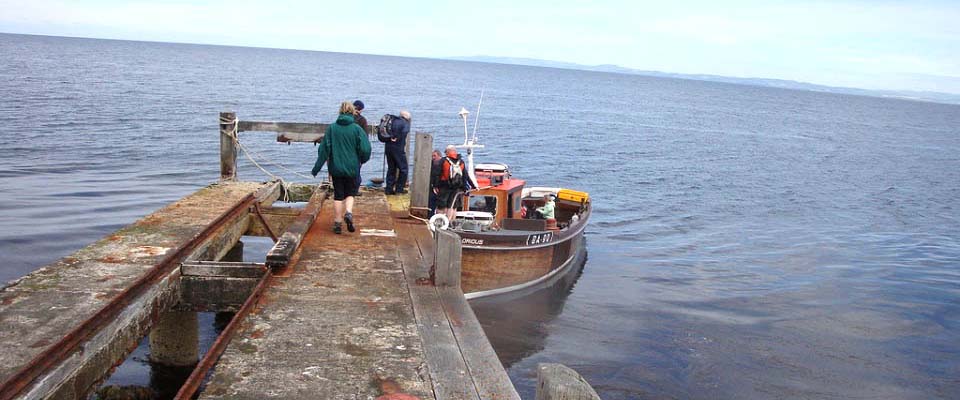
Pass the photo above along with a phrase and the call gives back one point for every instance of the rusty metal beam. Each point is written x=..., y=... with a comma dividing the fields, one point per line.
x=190, y=387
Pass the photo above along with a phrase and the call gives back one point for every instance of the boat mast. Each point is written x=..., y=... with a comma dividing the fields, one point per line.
x=469, y=144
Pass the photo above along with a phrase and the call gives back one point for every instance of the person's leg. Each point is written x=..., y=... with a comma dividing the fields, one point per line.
x=359, y=178
x=451, y=213
x=401, y=172
x=338, y=211
x=339, y=193
x=391, y=173
x=452, y=206
x=348, y=205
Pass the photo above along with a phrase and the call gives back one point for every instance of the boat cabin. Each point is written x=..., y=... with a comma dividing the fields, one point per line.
x=503, y=203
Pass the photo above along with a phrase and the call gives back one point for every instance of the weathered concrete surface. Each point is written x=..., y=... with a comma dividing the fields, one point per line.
x=39, y=309
x=217, y=294
x=341, y=326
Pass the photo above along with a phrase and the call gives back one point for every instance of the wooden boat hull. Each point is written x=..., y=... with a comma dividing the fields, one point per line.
x=491, y=266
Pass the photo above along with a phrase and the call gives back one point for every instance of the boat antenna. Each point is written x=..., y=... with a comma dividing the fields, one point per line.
x=476, y=118
x=463, y=114
x=469, y=145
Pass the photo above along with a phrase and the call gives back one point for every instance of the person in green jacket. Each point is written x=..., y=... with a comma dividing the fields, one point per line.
x=344, y=148
x=547, y=211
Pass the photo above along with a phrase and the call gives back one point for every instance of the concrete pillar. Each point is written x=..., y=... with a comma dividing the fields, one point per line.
x=235, y=254
x=175, y=340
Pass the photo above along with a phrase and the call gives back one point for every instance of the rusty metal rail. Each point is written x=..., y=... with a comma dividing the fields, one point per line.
x=59, y=351
x=195, y=380
x=289, y=242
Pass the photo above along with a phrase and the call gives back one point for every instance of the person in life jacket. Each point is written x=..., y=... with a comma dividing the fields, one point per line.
x=448, y=182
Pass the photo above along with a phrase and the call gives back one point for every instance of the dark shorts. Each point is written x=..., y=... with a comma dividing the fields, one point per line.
x=447, y=198
x=344, y=186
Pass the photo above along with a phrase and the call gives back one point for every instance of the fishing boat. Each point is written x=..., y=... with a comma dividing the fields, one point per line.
x=506, y=247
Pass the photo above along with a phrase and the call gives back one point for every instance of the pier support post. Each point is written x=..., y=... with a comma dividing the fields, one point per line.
x=228, y=148
x=175, y=340
x=446, y=260
x=420, y=188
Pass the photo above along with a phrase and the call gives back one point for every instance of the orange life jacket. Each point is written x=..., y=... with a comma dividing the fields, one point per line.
x=451, y=169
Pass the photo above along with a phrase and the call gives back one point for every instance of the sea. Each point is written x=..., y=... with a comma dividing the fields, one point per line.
x=746, y=242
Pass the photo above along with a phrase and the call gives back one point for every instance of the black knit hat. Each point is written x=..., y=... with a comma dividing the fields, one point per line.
x=358, y=105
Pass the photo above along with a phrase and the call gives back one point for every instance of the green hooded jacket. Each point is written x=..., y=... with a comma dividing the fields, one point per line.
x=345, y=146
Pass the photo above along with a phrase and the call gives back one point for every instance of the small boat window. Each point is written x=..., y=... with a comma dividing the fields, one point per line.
x=483, y=203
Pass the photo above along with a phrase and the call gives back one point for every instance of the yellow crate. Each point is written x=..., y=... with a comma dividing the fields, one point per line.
x=573, y=195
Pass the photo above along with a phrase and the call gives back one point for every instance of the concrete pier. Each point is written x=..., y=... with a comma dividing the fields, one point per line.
x=352, y=320
x=362, y=315
x=66, y=325
x=352, y=315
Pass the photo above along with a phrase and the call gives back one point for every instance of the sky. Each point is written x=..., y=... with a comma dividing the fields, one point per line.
x=894, y=45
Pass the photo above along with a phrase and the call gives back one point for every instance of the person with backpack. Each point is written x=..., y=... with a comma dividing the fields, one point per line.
x=344, y=147
x=394, y=148
x=448, y=182
x=362, y=121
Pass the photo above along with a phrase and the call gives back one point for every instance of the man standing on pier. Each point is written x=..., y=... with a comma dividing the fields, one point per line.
x=362, y=121
x=396, y=152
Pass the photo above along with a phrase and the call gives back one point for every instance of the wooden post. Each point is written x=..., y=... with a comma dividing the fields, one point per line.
x=446, y=259
x=420, y=187
x=559, y=382
x=228, y=149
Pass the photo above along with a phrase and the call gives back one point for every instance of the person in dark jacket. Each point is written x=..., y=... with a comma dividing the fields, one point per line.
x=435, y=166
x=396, y=153
x=448, y=182
x=362, y=121
x=344, y=147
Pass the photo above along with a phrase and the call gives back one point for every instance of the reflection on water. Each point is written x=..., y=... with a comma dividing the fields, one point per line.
x=516, y=323
x=139, y=378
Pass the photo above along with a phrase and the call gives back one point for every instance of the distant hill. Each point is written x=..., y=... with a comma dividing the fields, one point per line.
x=778, y=83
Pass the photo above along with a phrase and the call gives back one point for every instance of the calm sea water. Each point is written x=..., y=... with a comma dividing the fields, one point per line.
x=747, y=242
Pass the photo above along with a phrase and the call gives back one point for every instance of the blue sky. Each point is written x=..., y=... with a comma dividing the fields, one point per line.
x=866, y=44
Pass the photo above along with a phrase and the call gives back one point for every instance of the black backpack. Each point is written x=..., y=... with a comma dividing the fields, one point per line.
x=385, y=128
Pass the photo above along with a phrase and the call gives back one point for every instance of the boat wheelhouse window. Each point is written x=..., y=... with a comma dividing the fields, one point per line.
x=483, y=203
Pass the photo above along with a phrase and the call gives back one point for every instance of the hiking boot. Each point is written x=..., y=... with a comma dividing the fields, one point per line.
x=401, y=191
x=388, y=192
x=336, y=228
x=348, y=218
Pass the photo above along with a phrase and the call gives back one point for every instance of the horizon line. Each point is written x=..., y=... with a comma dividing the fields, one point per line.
x=881, y=93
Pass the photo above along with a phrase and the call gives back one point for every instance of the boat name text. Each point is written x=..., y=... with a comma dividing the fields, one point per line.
x=539, y=238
